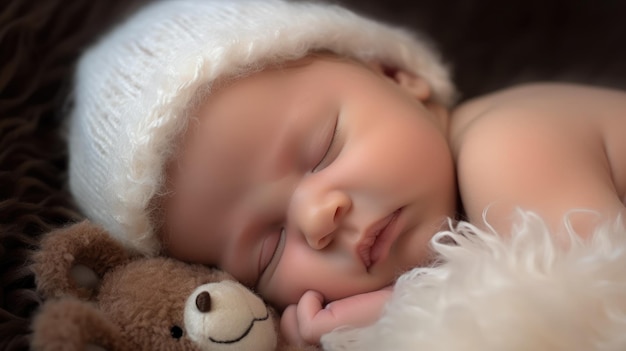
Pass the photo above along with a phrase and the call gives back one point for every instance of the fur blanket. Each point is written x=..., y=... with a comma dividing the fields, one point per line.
x=521, y=291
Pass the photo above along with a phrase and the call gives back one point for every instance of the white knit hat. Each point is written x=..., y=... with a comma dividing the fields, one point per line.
x=133, y=89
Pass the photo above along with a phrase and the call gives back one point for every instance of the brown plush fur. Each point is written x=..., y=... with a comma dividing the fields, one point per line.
x=132, y=305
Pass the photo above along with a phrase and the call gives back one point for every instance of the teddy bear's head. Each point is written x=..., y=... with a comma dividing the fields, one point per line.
x=100, y=295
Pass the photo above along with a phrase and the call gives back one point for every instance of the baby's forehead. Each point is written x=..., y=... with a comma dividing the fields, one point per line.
x=278, y=68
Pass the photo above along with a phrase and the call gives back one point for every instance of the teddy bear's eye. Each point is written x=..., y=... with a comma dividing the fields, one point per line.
x=176, y=332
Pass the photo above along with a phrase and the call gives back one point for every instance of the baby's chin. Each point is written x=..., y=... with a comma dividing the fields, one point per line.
x=281, y=298
x=415, y=250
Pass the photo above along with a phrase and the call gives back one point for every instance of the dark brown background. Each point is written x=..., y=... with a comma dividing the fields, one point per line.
x=495, y=43
x=490, y=43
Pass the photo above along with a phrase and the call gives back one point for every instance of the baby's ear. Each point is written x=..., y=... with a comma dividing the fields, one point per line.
x=413, y=84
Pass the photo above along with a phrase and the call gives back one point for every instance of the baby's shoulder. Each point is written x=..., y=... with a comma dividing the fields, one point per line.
x=560, y=112
x=532, y=143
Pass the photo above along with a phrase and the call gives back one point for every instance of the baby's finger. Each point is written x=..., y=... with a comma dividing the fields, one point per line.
x=289, y=327
x=309, y=305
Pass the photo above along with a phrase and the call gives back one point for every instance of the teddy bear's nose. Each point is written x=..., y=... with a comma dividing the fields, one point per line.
x=203, y=301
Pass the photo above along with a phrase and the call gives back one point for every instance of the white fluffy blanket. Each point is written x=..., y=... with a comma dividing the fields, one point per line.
x=521, y=291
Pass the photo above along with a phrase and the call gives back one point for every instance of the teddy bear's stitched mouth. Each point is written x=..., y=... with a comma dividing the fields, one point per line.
x=245, y=333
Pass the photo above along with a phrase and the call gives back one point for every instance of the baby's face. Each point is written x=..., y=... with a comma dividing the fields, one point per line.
x=327, y=176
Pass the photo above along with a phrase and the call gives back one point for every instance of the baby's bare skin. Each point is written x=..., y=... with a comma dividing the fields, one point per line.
x=549, y=148
x=306, y=322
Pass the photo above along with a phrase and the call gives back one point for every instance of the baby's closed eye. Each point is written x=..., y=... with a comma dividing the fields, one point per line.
x=330, y=150
x=270, y=252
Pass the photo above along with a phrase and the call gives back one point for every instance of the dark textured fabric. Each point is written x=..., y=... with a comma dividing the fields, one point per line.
x=39, y=42
x=490, y=43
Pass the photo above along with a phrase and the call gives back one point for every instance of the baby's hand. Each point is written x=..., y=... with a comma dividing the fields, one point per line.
x=306, y=322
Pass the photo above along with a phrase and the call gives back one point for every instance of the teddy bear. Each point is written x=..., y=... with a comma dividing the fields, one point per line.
x=99, y=296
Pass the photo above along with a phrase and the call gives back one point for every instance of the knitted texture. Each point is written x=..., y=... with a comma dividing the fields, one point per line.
x=134, y=89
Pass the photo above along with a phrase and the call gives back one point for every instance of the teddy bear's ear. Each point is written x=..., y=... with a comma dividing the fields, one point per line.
x=74, y=325
x=72, y=260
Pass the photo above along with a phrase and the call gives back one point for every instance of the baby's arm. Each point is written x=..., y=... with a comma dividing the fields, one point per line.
x=306, y=322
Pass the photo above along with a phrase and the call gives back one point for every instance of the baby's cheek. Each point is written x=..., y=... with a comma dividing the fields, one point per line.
x=280, y=293
x=294, y=274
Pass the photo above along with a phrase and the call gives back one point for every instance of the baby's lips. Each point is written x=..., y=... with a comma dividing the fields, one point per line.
x=381, y=247
x=369, y=238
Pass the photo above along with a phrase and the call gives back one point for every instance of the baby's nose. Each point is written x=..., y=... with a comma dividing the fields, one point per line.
x=319, y=217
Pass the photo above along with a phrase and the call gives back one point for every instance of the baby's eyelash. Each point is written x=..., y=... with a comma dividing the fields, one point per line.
x=324, y=160
x=274, y=256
